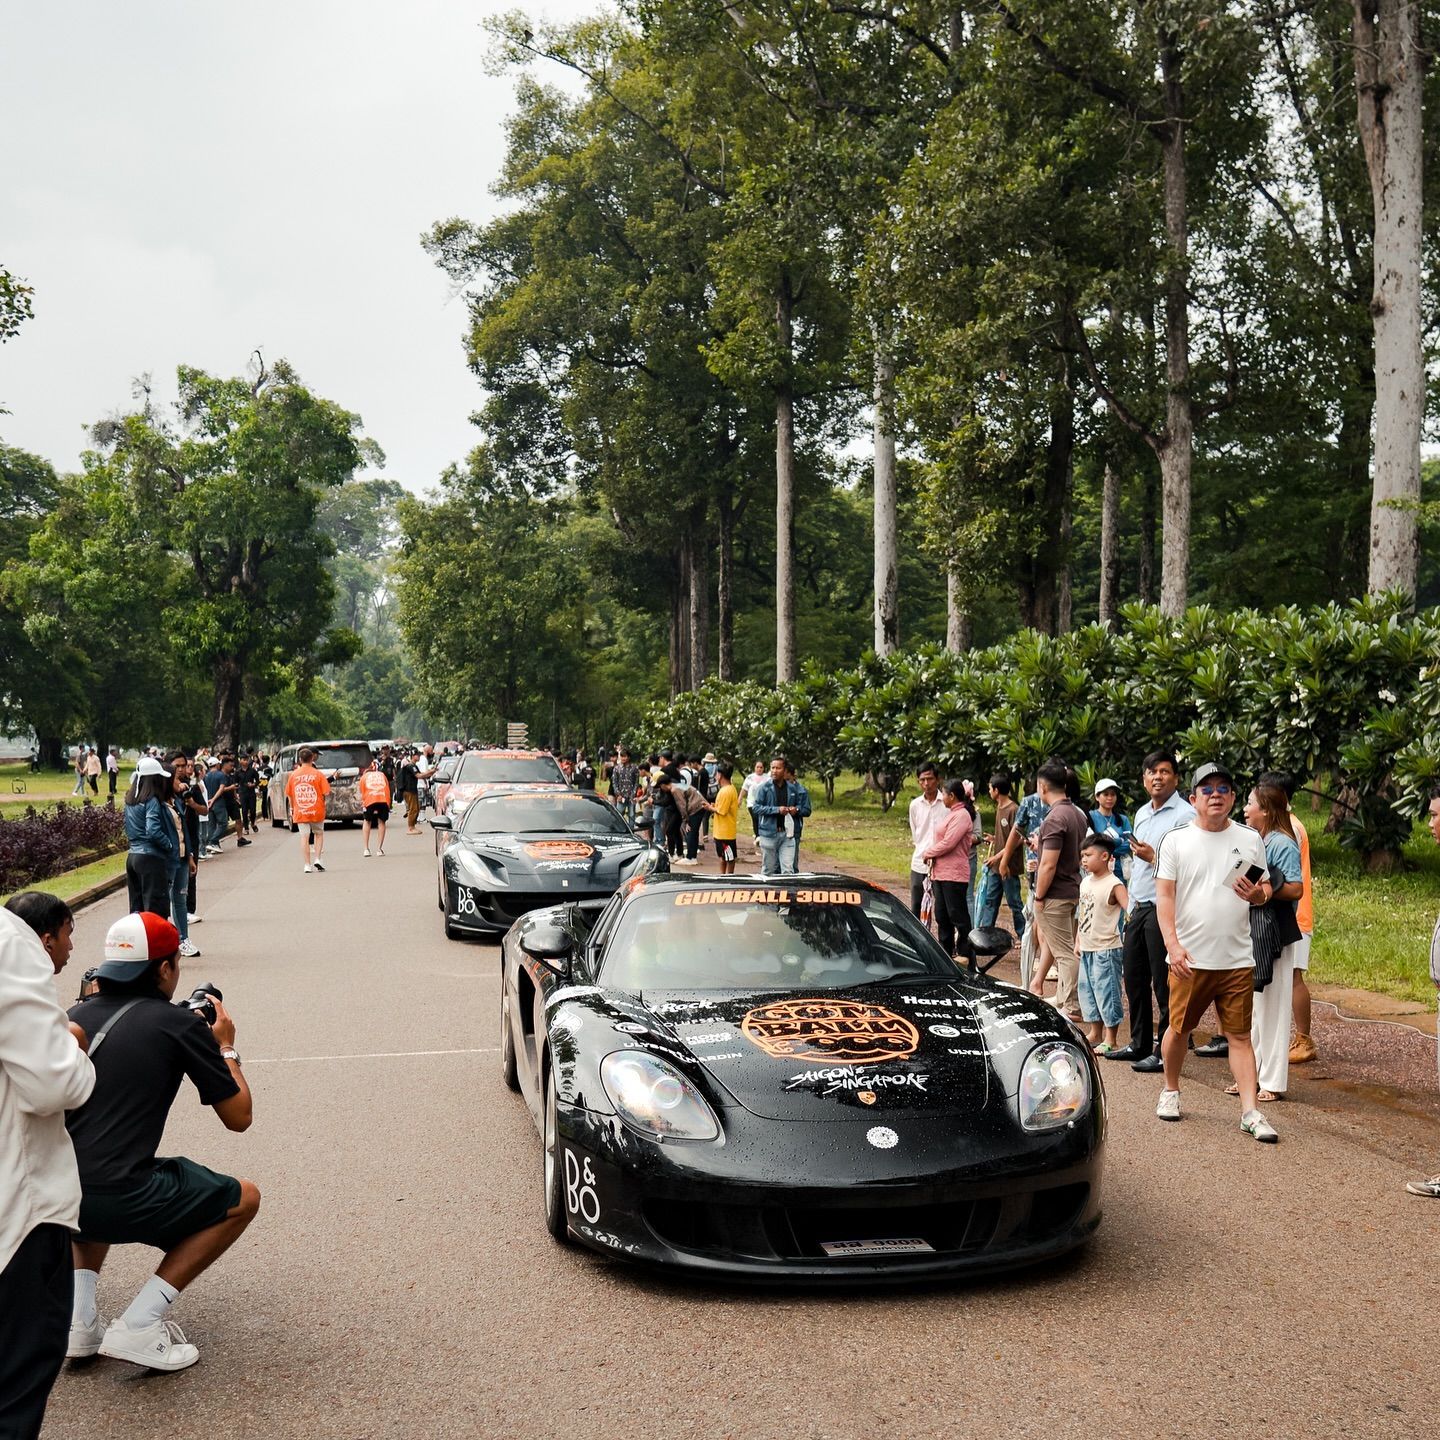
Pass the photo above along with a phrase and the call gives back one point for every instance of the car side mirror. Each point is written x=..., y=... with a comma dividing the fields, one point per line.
x=441, y=822
x=551, y=946
x=989, y=943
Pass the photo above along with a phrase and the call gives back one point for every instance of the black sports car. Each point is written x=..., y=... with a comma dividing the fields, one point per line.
x=787, y=1077
x=518, y=848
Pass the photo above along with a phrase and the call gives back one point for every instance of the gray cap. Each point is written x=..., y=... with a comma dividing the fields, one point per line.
x=1212, y=768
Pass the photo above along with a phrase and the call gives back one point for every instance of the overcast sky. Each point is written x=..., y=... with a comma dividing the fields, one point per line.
x=186, y=182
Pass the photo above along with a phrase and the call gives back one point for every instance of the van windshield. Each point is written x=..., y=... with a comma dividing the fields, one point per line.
x=342, y=757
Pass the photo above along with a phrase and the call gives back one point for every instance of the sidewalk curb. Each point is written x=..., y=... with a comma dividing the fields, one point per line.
x=99, y=892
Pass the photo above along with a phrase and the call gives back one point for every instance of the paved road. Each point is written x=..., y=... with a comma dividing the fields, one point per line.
x=398, y=1282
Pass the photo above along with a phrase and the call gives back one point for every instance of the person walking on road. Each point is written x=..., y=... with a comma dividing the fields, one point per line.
x=1274, y=936
x=927, y=811
x=151, y=831
x=407, y=789
x=43, y=1073
x=112, y=771
x=80, y=755
x=306, y=789
x=374, y=791
x=92, y=770
x=1143, y=963
x=1431, y=1186
x=1208, y=874
x=777, y=803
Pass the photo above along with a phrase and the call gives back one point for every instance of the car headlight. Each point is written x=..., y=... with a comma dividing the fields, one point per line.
x=1054, y=1086
x=655, y=1098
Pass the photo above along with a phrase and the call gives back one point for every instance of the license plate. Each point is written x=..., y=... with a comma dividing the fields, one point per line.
x=845, y=1249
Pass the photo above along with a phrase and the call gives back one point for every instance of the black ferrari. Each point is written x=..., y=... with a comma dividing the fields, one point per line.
x=518, y=848
x=787, y=1077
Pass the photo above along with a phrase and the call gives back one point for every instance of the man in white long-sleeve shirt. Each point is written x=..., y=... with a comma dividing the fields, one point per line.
x=43, y=1073
x=926, y=812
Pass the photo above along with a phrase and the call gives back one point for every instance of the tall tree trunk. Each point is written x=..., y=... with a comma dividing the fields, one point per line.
x=1148, y=521
x=680, y=622
x=1110, y=546
x=959, y=628
x=1178, y=443
x=784, y=495
x=229, y=691
x=1042, y=574
x=699, y=609
x=1389, y=77
x=887, y=543
x=724, y=586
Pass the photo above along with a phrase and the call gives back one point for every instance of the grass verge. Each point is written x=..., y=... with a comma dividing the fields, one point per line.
x=70, y=883
x=1371, y=931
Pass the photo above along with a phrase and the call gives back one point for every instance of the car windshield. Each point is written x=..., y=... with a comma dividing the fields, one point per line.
x=477, y=767
x=795, y=935
x=565, y=811
x=342, y=757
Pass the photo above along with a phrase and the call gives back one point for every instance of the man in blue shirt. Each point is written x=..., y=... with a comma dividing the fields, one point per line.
x=1145, y=967
x=780, y=806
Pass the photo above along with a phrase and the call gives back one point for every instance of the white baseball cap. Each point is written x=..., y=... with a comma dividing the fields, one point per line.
x=149, y=765
x=1101, y=786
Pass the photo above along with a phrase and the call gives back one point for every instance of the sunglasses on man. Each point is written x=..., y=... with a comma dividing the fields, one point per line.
x=1216, y=790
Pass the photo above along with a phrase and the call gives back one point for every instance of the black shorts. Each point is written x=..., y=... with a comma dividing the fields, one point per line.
x=725, y=849
x=377, y=814
x=174, y=1201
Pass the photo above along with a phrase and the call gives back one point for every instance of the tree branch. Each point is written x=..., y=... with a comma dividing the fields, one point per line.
x=1118, y=408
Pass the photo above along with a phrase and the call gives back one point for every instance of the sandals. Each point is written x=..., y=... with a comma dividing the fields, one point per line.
x=1263, y=1096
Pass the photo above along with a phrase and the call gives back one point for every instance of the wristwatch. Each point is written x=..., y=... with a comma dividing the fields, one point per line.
x=230, y=1053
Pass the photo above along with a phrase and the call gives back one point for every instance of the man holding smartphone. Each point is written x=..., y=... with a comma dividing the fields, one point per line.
x=1207, y=875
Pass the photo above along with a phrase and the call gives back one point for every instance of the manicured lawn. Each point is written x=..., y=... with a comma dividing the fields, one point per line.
x=72, y=882
x=1372, y=932
x=46, y=786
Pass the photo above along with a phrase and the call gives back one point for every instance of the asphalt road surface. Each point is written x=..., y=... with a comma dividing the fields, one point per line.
x=398, y=1281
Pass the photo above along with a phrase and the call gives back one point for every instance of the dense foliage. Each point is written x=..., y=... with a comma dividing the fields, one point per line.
x=1347, y=697
x=44, y=843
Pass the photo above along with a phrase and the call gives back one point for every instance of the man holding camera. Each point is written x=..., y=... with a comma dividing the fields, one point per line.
x=141, y=1046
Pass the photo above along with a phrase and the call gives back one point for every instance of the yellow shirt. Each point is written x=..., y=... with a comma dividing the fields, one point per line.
x=727, y=807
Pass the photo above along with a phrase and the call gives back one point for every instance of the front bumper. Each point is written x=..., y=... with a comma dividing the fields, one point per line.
x=991, y=1202
x=479, y=911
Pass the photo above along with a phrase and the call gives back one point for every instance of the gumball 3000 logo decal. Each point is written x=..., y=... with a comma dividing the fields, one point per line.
x=830, y=1032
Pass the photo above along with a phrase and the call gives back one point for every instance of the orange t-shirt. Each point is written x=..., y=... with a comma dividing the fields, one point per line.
x=307, y=789
x=374, y=788
x=1305, y=908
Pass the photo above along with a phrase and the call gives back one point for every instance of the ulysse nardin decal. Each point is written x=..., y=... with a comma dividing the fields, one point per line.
x=830, y=1032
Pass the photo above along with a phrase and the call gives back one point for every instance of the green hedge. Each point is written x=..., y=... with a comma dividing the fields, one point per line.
x=1346, y=696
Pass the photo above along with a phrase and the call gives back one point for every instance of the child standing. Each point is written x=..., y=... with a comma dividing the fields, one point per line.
x=1103, y=902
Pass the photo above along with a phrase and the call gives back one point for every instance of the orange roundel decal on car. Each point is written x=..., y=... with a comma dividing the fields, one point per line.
x=559, y=850
x=830, y=1032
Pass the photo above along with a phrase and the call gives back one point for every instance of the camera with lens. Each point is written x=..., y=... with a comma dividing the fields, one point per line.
x=89, y=983
x=202, y=1001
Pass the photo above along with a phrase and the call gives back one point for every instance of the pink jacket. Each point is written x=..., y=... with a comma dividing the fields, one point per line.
x=951, y=847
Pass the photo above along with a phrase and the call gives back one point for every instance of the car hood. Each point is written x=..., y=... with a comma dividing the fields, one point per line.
x=558, y=853
x=935, y=1047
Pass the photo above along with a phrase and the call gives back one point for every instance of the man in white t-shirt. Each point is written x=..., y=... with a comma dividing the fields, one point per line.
x=927, y=810
x=1208, y=874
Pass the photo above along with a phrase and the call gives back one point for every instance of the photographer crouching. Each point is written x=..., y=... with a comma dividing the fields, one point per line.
x=141, y=1046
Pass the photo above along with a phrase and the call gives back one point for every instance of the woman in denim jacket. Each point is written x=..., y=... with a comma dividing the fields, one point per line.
x=154, y=838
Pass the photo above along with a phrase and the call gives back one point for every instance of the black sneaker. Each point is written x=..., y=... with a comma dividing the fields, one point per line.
x=1212, y=1049
x=244, y=842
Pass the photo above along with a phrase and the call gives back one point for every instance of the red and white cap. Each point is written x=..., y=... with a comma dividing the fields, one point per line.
x=133, y=942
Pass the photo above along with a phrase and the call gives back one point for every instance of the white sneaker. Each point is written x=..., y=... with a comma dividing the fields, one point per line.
x=1168, y=1107
x=193, y=919
x=319, y=866
x=1252, y=1122
x=307, y=869
x=365, y=853
x=161, y=1346
x=189, y=949
x=212, y=850
x=85, y=1340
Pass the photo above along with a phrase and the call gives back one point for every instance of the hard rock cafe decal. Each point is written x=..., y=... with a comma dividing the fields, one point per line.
x=830, y=1032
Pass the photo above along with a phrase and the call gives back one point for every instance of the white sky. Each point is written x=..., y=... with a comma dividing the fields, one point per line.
x=186, y=181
